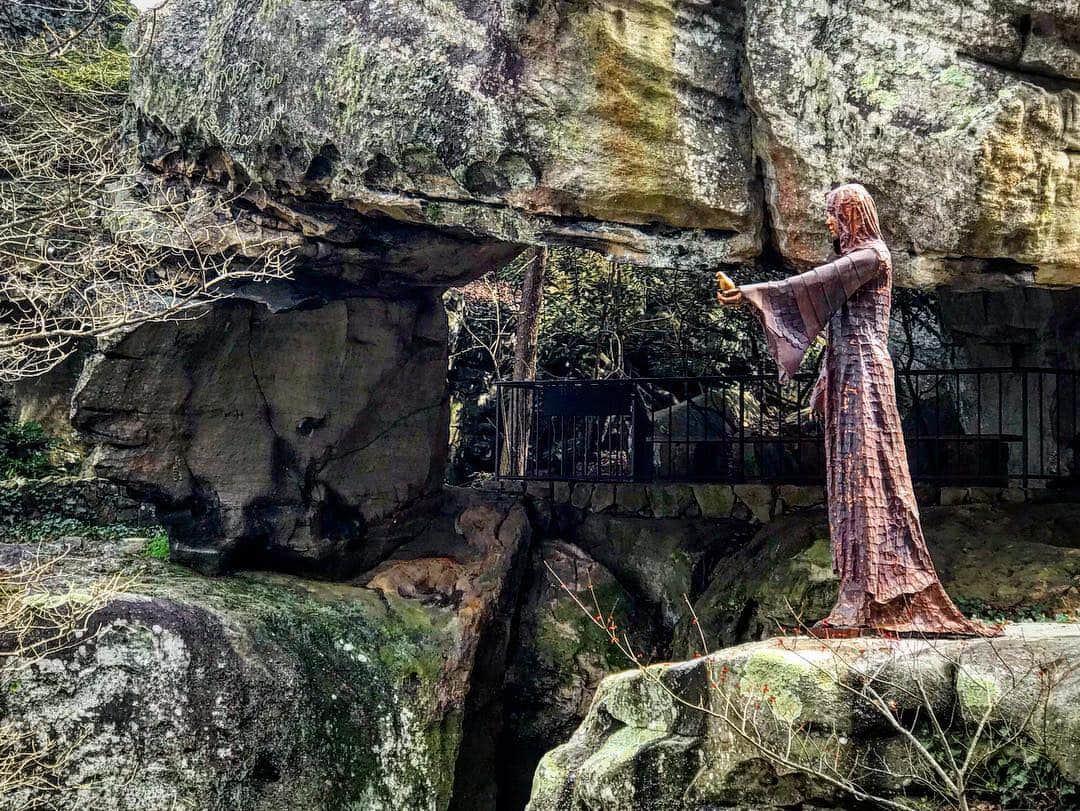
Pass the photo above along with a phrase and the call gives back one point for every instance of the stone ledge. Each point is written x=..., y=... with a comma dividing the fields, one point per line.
x=1028, y=679
x=759, y=503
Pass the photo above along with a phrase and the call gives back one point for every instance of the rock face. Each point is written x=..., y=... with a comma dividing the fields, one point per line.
x=269, y=691
x=293, y=438
x=959, y=119
x=787, y=711
x=614, y=127
x=559, y=656
x=482, y=583
x=400, y=148
x=670, y=134
x=660, y=558
x=1027, y=327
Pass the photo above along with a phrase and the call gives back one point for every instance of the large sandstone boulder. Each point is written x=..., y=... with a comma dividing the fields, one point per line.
x=291, y=438
x=646, y=132
x=607, y=126
x=787, y=722
x=266, y=691
x=959, y=118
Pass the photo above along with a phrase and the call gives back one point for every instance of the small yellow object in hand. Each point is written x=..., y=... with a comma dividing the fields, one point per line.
x=723, y=282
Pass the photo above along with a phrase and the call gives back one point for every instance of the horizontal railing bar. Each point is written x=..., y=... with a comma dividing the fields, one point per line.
x=696, y=429
x=768, y=377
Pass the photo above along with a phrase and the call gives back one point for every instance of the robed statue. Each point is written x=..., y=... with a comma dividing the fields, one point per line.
x=887, y=580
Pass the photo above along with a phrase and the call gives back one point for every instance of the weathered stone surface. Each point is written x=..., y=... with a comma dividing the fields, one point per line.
x=560, y=656
x=1008, y=558
x=1025, y=327
x=481, y=578
x=281, y=439
x=951, y=115
x=714, y=500
x=581, y=495
x=631, y=498
x=614, y=127
x=798, y=497
x=637, y=131
x=60, y=18
x=661, y=560
x=748, y=592
x=269, y=691
x=668, y=500
x=1038, y=680
x=801, y=701
x=759, y=499
x=603, y=497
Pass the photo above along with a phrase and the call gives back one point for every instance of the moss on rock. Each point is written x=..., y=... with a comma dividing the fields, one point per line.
x=265, y=691
x=785, y=712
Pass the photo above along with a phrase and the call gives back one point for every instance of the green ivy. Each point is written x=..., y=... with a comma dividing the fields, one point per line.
x=1037, y=612
x=1009, y=777
x=26, y=451
x=1017, y=779
x=49, y=528
x=157, y=547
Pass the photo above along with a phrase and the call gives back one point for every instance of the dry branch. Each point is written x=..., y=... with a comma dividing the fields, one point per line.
x=91, y=244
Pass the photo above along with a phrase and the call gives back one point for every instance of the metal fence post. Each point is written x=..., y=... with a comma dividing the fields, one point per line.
x=498, y=429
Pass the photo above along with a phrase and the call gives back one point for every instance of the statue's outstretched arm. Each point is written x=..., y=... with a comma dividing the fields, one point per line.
x=794, y=311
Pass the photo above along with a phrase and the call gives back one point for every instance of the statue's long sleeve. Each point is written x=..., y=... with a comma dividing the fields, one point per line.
x=793, y=311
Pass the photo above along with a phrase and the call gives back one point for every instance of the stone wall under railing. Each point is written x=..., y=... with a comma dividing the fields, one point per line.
x=755, y=503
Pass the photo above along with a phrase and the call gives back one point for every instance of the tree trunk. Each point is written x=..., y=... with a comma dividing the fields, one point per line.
x=525, y=347
x=528, y=326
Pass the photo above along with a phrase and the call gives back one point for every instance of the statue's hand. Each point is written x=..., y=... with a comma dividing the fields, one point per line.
x=731, y=298
x=726, y=292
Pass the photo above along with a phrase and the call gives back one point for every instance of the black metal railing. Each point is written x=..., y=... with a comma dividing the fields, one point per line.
x=991, y=426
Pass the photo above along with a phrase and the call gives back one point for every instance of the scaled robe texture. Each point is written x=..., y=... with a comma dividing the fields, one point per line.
x=887, y=579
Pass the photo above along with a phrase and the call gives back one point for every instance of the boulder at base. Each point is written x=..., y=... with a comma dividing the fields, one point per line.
x=997, y=561
x=291, y=439
x=266, y=692
x=780, y=717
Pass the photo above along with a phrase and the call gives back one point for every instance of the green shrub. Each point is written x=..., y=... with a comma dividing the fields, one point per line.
x=25, y=451
x=157, y=547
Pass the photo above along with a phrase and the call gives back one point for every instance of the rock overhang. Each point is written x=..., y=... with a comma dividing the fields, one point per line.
x=671, y=135
x=618, y=132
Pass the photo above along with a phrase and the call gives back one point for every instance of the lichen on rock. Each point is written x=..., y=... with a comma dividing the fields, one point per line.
x=795, y=721
x=265, y=691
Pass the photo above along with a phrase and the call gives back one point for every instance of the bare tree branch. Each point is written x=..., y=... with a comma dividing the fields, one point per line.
x=91, y=245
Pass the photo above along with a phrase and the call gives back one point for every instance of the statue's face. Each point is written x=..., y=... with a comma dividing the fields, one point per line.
x=833, y=226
